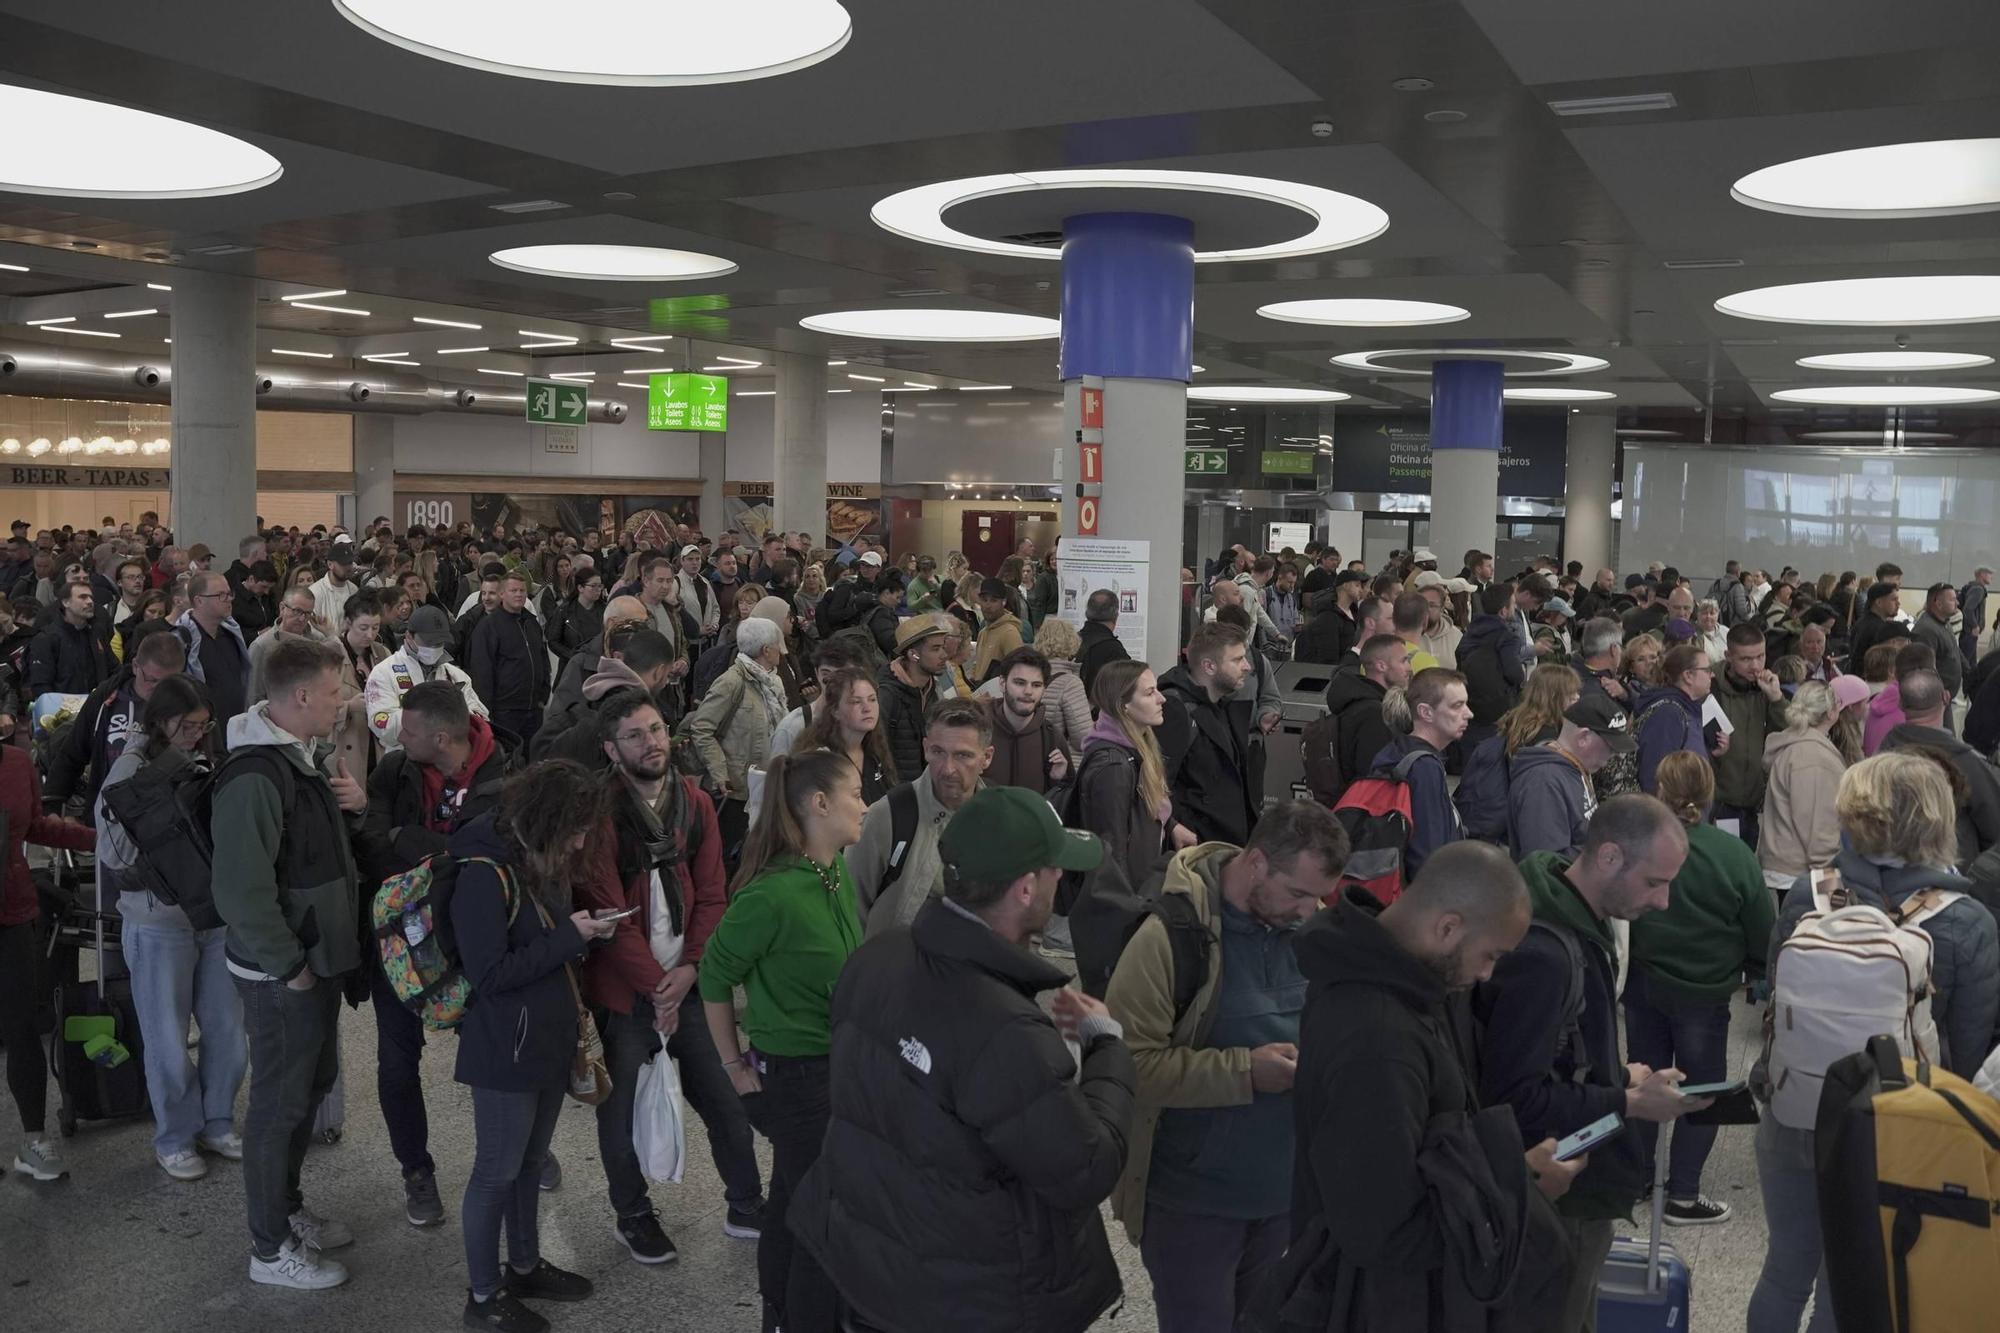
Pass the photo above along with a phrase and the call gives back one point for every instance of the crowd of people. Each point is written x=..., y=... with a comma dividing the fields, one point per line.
x=836, y=833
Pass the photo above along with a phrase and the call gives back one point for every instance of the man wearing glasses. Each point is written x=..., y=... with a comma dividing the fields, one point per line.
x=296, y=620
x=217, y=656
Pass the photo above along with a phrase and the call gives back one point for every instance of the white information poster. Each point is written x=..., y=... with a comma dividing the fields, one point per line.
x=1085, y=564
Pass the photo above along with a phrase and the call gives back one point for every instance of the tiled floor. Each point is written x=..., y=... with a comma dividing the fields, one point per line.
x=120, y=1247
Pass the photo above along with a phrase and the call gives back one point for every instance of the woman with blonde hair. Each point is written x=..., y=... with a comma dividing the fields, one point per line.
x=1685, y=962
x=1121, y=788
x=1641, y=664
x=1550, y=690
x=1901, y=825
x=1805, y=761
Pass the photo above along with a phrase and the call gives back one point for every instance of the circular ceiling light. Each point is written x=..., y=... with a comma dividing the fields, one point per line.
x=612, y=263
x=1938, y=178
x=1932, y=299
x=1259, y=393
x=94, y=150
x=940, y=326
x=1551, y=394
x=1339, y=220
x=1881, y=362
x=634, y=43
x=1540, y=363
x=1362, y=312
x=1887, y=395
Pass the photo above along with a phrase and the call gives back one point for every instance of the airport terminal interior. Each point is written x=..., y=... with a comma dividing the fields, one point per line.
x=1593, y=399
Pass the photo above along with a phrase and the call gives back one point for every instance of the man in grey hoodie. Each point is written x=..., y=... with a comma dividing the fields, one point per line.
x=286, y=889
x=1549, y=794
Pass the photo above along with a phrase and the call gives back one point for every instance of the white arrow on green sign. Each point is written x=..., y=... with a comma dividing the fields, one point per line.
x=558, y=403
x=687, y=402
x=1205, y=462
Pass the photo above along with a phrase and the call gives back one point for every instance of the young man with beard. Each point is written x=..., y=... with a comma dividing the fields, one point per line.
x=1025, y=750
x=1205, y=739
x=659, y=850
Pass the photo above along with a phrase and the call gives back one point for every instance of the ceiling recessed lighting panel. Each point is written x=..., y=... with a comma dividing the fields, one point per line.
x=1887, y=395
x=929, y=325
x=1338, y=220
x=1887, y=362
x=1365, y=313
x=634, y=43
x=1873, y=302
x=612, y=263
x=442, y=323
x=1552, y=394
x=1535, y=364
x=1939, y=178
x=94, y=150
x=1260, y=393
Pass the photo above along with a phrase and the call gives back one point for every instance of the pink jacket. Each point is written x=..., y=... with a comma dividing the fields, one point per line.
x=1885, y=714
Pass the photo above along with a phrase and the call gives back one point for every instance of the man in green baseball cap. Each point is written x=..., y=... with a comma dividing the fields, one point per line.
x=1002, y=838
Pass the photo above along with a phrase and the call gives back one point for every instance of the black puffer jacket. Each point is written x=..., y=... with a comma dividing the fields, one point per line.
x=1489, y=658
x=509, y=662
x=965, y=1160
x=1101, y=646
x=1355, y=702
x=902, y=723
x=1206, y=748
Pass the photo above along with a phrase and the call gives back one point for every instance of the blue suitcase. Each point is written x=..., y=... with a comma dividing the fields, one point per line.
x=1645, y=1286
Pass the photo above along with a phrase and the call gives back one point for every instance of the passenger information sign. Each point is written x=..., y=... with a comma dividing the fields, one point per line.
x=687, y=402
x=557, y=403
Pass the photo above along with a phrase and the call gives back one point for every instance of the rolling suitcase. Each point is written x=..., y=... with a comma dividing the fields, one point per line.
x=1645, y=1286
x=95, y=1046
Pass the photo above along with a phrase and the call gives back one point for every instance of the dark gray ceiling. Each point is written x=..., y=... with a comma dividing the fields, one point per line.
x=1555, y=232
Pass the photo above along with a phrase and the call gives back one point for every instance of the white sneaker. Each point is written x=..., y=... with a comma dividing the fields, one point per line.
x=298, y=1266
x=320, y=1232
x=228, y=1144
x=183, y=1165
x=41, y=1158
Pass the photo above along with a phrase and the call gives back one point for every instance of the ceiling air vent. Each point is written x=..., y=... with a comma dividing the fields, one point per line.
x=1612, y=106
x=1050, y=240
x=213, y=250
x=1702, y=263
x=908, y=293
x=529, y=206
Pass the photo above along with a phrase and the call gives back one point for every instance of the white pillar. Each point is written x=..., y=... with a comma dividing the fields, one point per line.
x=375, y=470
x=1464, y=484
x=799, y=453
x=1145, y=429
x=714, y=470
x=1593, y=445
x=213, y=491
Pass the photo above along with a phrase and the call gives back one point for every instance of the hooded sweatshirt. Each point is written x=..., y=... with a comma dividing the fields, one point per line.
x=1354, y=701
x=1020, y=758
x=1549, y=802
x=569, y=729
x=1489, y=658
x=1885, y=714
x=1667, y=721
x=1799, y=829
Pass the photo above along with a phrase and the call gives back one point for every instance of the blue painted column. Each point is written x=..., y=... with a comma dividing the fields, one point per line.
x=1127, y=350
x=1465, y=457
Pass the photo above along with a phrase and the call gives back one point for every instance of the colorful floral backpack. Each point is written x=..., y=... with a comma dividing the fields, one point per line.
x=413, y=937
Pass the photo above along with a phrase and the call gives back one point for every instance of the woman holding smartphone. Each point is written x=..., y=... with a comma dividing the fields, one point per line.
x=519, y=931
x=790, y=926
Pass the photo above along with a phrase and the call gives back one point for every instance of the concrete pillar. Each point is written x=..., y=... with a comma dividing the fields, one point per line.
x=1593, y=445
x=714, y=469
x=375, y=470
x=1465, y=455
x=213, y=492
x=799, y=457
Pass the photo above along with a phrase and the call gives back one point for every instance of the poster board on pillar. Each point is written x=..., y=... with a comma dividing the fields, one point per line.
x=1089, y=564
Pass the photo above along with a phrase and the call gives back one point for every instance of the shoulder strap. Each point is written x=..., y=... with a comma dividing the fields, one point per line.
x=1571, y=1033
x=902, y=829
x=1190, y=944
x=1409, y=762
x=1922, y=906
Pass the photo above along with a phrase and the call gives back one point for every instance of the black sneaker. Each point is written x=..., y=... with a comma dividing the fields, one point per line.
x=503, y=1313
x=746, y=1222
x=421, y=1202
x=546, y=1282
x=1698, y=1212
x=644, y=1237
x=551, y=1174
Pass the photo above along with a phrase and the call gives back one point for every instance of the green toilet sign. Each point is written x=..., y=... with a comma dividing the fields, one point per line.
x=1206, y=462
x=687, y=402
x=1296, y=463
x=558, y=402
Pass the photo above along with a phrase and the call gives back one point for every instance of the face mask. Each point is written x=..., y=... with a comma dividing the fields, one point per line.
x=428, y=656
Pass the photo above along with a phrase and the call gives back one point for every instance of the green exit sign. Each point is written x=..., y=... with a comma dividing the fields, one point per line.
x=687, y=402
x=557, y=402
x=1207, y=462
x=1290, y=462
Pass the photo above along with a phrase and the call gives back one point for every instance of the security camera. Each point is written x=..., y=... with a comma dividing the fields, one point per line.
x=1322, y=128
x=1902, y=340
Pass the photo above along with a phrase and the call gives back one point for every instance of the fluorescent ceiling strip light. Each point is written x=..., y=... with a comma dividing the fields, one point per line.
x=402, y=357
x=737, y=360
x=983, y=388
x=131, y=314
x=628, y=384
x=293, y=351
x=511, y=374
x=831, y=364
x=755, y=393
x=454, y=351
x=39, y=323
x=442, y=323
x=633, y=345
x=840, y=391
x=561, y=342
x=15, y=268
x=572, y=374
x=553, y=337
x=330, y=309
x=158, y=287
x=872, y=379
x=716, y=368
x=649, y=370
x=314, y=296
x=89, y=333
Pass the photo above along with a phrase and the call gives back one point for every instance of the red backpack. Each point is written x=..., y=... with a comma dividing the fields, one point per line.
x=1375, y=811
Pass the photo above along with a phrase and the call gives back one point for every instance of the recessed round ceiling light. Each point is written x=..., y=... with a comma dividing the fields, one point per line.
x=1938, y=178
x=944, y=326
x=1890, y=361
x=1364, y=312
x=1543, y=363
x=639, y=43
x=612, y=263
x=1259, y=393
x=1887, y=395
x=1339, y=220
x=85, y=149
x=1551, y=394
x=1928, y=299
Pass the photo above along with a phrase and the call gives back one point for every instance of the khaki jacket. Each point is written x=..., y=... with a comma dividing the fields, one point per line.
x=1172, y=1070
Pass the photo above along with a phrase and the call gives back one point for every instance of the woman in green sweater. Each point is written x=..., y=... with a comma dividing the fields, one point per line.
x=1686, y=961
x=790, y=926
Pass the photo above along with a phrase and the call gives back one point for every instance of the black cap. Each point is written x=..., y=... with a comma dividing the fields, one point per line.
x=1349, y=576
x=1632, y=581
x=1601, y=714
x=1878, y=591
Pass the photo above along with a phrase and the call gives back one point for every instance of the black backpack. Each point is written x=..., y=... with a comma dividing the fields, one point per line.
x=1319, y=746
x=1063, y=796
x=902, y=800
x=167, y=817
x=1107, y=917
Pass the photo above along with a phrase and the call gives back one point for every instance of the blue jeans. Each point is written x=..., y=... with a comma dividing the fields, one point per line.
x=178, y=974
x=510, y=1134
x=294, y=1058
x=1205, y=1270
x=1664, y=1031
x=1794, y=1267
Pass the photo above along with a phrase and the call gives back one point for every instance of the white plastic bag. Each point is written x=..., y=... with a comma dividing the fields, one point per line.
x=656, y=1120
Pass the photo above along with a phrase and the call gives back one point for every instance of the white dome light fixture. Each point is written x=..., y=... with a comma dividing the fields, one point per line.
x=1889, y=362
x=1339, y=220
x=1887, y=395
x=1260, y=393
x=612, y=263
x=935, y=325
x=1933, y=179
x=86, y=149
x=1873, y=302
x=1365, y=312
x=628, y=43
x=1552, y=394
x=1543, y=364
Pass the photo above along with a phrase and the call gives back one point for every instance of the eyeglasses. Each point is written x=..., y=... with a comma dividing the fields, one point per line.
x=658, y=731
x=185, y=727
